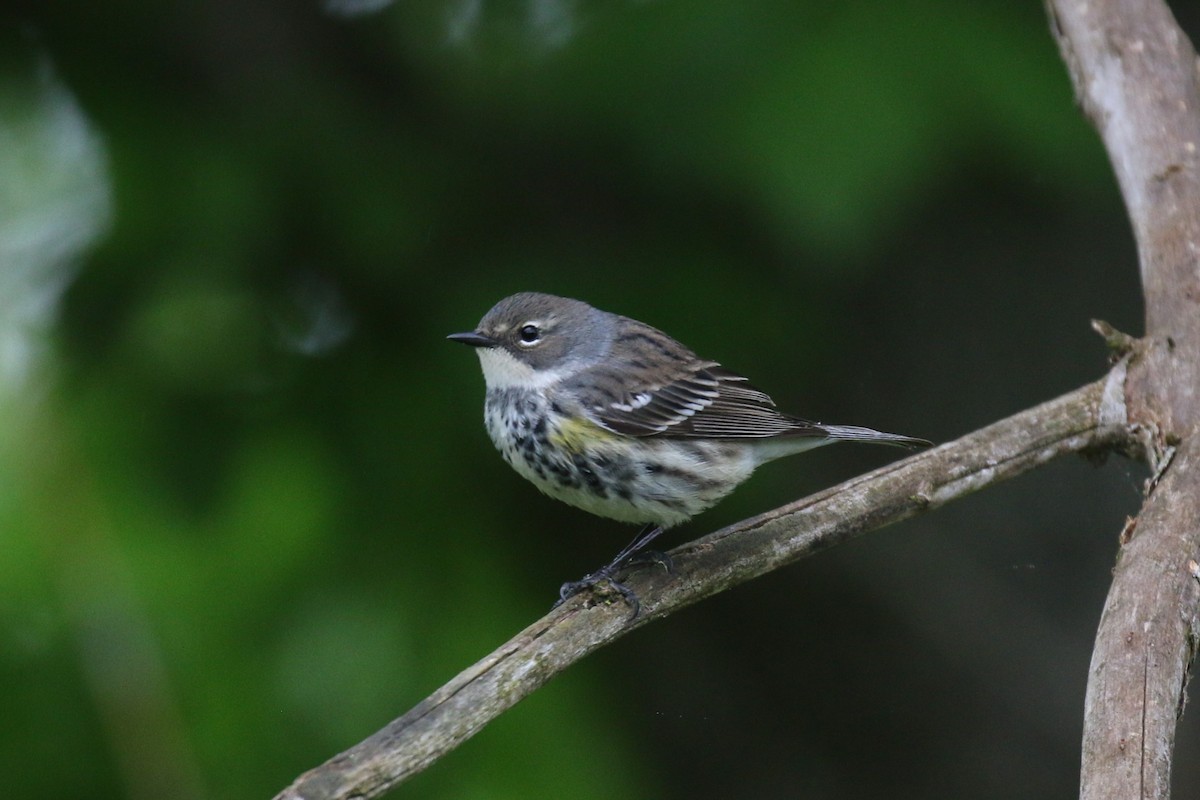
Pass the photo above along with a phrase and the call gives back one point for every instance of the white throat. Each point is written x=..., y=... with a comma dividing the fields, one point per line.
x=502, y=371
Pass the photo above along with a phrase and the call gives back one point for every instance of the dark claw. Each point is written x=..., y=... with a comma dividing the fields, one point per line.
x=633, y=554
x=572, y=588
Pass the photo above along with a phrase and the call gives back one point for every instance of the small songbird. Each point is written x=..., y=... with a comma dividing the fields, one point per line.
x=617, y=418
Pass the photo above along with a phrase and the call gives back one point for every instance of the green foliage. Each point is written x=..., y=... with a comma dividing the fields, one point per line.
x=247, y=510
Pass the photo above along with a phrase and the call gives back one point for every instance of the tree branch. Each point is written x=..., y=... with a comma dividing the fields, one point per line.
x=1135, y=74
x=1091, y=418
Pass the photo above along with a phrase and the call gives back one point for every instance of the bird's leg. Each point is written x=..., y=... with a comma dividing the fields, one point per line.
x=633, y=553
x=636, y=550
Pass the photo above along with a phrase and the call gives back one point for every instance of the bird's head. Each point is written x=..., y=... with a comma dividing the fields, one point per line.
x=531, y=340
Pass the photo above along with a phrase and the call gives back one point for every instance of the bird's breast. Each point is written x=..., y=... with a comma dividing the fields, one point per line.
x=631, y=479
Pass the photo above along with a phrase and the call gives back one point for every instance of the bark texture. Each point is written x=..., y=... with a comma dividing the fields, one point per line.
x=1135, y=75
x=1090, y=418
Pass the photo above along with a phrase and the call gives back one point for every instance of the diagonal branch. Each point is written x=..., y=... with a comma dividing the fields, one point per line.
x=1091, y=418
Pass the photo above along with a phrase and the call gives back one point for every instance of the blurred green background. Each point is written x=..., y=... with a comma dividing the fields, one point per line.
x=248, y=511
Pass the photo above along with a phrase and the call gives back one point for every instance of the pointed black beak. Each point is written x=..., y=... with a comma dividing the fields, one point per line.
x=473, y=339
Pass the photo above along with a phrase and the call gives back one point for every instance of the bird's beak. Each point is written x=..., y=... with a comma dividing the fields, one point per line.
x=473, y=339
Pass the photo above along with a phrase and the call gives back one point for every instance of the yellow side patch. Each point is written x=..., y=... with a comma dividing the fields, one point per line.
x=574, y=435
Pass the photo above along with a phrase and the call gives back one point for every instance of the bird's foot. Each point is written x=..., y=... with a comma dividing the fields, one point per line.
x=633, y=555
x=594, y=579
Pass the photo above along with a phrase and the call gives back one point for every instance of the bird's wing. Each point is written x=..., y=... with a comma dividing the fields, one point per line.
x=691, y=399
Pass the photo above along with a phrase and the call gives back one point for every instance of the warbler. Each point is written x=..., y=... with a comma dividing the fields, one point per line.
x=615, y=417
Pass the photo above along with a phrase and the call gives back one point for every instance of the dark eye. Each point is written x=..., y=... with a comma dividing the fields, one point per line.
x=530, y=334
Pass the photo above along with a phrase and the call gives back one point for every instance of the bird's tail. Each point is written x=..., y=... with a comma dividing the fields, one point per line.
x=853, y=433
x=815, y=434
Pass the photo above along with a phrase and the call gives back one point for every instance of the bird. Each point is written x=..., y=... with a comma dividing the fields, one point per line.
x=617, y=418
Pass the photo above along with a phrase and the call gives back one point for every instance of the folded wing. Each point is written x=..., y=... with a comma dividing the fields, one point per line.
x=700, y=400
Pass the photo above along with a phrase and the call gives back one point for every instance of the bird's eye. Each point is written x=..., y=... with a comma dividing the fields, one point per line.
x=530, y=334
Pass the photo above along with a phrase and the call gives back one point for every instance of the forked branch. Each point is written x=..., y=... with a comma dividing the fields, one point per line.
x=1135, y=75
x=1091, y=418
